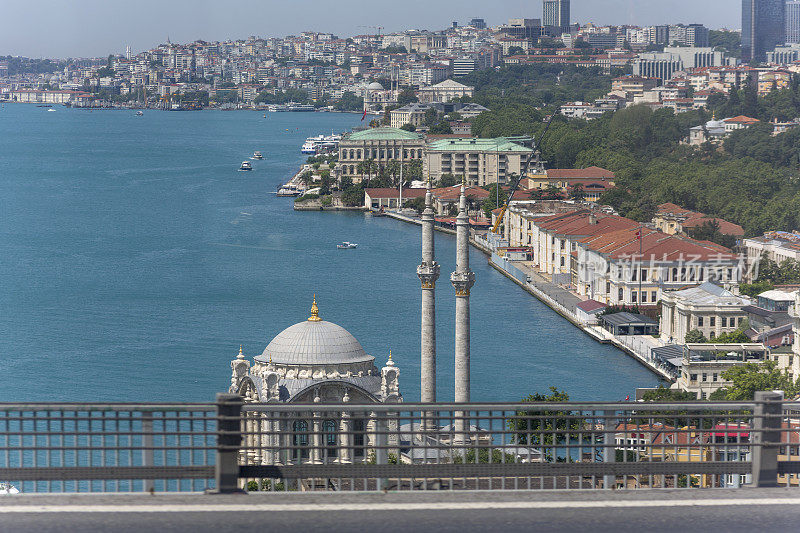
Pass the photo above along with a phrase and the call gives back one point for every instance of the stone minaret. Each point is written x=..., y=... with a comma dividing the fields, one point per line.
x=428, y=272
x=463, y=279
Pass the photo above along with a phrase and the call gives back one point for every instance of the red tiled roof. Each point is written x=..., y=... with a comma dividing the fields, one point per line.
x=577, y=223
x=741, y=119
x=656, y=246
x=694, y=219
x=452, y=193
x=589, y=306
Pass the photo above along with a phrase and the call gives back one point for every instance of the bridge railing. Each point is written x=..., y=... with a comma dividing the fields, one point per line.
x=235, y=445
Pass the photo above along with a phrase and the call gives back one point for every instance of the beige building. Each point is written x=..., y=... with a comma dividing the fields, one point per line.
x=444, y=92
x=707, y=308
x=413, y=113
x=480, y=161
x=703, y=364
x=378, y=146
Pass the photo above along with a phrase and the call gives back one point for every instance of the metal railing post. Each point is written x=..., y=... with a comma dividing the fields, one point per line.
x=229, y=443
x=148, y=453
x=609, y=450
x=767, y=438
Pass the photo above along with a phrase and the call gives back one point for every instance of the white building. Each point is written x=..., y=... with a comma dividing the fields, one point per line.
x=444, y=92
x=707, y=308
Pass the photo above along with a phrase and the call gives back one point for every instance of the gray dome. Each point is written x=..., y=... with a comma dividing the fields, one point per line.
x=314, y=343
x=375, y=86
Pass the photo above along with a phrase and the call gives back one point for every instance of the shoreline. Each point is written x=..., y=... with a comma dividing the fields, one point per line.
x=546, y=300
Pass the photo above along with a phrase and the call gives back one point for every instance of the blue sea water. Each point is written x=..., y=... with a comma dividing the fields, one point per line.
x=135, y=259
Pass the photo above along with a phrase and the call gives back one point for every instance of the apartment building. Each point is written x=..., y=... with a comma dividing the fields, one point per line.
x=481, y=161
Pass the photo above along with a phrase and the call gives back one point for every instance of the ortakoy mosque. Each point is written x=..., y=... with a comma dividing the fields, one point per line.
x=316, y=361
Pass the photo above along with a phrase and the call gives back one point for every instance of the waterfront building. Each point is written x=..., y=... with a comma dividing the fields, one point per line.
x=707, y=308
x=376, y=198
x=763, y=27
x=555, y=239
x=634, y=266
x=375, y=147
x=479, y=161
x=313, y=361
x=444, y=92
x=702, y=365
x=672, y=219
x=518, y=224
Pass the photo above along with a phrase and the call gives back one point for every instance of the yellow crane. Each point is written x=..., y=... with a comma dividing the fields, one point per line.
x=534, y=156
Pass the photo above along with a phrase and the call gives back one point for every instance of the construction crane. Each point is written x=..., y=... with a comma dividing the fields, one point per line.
x=534, y=157
x=379, y=28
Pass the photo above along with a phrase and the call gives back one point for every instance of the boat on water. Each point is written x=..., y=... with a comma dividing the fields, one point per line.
x=320, y=143
x=51, y=110
x=8, y=488
x=290, y=190
x=245, y=166
x=258, y=155
x=44, y=105
x=347, y=245
x=139, y=113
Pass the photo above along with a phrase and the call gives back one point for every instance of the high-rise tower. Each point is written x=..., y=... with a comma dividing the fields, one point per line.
x=555, y=13
x=463, y=279
x=763, y=27
x=428, y=272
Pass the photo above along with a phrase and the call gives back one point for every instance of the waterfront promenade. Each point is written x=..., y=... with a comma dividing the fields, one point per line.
x=562, y=301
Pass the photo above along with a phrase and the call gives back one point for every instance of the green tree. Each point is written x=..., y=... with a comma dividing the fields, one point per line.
x=497, y=197
x=749, y=378
x=695, y=336
x=417, y=204
x=543, y=428
x=447, y=180
x=408, y=127
x=406, y=96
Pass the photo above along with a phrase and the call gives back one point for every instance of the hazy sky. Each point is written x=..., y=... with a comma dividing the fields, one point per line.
x=89, y=28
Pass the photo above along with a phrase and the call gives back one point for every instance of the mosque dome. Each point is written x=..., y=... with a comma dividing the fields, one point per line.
x=314, y=342
x=375, y=86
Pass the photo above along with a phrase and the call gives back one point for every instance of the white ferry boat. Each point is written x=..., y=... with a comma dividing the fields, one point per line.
x=347, y=245
x=245, y=166
x=321, y=143
x=291, y=106
x=258, y=155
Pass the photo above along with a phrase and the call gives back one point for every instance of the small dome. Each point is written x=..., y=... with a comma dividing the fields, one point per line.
x=375, y=86
x=314, y=343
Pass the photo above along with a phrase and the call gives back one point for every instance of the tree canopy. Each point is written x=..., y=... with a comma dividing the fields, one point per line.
x=749, y=378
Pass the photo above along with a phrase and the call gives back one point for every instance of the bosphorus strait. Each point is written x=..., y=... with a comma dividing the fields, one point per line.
x=135, y=259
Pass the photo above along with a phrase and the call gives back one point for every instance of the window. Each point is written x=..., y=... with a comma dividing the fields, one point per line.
x=712, y=321
x=620, y=295
x=693, y=377
x=644, y=274
x=300, y=439
x=644, y=296
x=654, y=296
x=705, y=376
x=633, y=296
x=674, y=274
x=562, y=261
x=608, y=287
x=359, y=428
x=329, y=437
x=714, y=376
x=724, y=322
x=699, y=322
x=703, y=396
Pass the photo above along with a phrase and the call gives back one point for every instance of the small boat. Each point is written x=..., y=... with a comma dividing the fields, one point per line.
x=257, y=155
x=51, y=110
x=347, y=245
x=139, y=113
x=8, y=488
x=46, y=105
x=245, y=166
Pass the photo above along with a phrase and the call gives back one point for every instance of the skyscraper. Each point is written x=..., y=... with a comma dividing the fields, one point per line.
x=793, y=21
x=555, y=13
x=763, y=27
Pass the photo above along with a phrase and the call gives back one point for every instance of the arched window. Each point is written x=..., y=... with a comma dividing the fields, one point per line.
x=359, y=429
x=358, y=154
x=300, y=439
x=329, y=438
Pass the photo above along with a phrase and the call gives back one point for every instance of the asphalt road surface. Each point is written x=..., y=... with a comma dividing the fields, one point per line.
x=584, y=511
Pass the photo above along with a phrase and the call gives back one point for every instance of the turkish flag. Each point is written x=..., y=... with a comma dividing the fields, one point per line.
x=364, y=115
